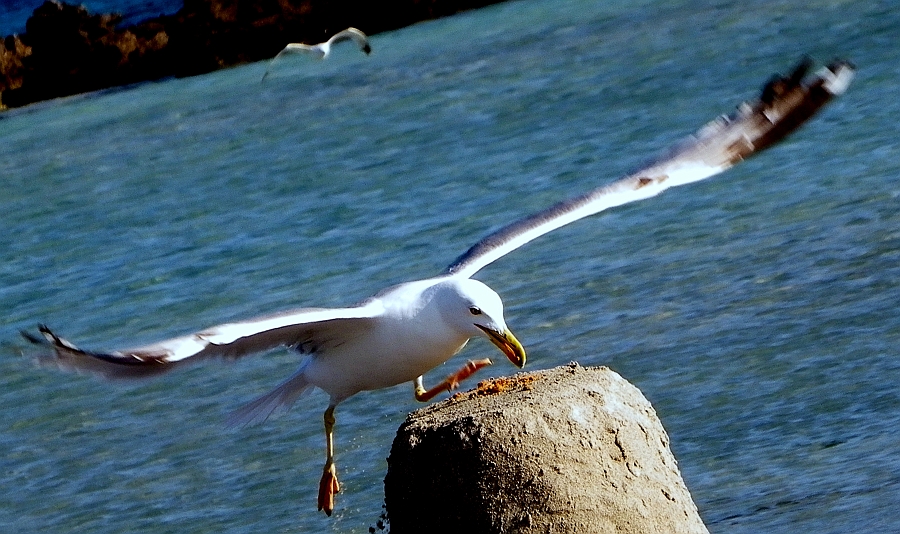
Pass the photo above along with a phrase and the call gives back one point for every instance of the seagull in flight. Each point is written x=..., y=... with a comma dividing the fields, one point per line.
x=408, y=329
x=322, y=50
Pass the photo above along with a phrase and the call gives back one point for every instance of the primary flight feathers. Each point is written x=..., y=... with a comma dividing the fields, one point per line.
x=785, y=104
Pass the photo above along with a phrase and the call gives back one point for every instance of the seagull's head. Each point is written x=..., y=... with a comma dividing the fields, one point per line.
x=476, y=309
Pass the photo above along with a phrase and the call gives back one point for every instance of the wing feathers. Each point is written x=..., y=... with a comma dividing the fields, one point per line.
x=784, y=105
x=308, y=331
x=352, y=34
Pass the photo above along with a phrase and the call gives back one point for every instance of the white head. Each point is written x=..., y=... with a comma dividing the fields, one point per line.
x=474, y=308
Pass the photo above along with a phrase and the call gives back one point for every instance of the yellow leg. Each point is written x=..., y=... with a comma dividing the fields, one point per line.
x=451, y=382
x=328, y=485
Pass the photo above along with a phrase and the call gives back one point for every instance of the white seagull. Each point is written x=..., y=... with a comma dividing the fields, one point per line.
x=408, y=329
x=322, y=50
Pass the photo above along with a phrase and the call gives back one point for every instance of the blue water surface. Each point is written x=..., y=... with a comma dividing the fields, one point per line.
x=757, y=310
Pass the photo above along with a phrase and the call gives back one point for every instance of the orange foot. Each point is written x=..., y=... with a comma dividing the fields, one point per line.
x=451, y=382
x=471, y=367
x=328, y=486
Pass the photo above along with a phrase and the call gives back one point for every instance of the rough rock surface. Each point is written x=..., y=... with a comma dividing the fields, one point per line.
x=570, y=449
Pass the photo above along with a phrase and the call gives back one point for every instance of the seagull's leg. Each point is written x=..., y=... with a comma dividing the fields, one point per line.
x=451, y=382
x=328, y=486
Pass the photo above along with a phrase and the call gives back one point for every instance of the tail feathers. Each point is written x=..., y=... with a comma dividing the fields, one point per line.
x=279, y=399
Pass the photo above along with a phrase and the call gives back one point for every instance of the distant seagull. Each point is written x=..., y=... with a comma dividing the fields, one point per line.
x=406, y=330
x=321, y=50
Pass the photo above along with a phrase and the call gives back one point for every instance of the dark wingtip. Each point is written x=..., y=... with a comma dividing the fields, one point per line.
x=787, y=102
x=47, y=336
x=33, y=338
x=837, y=64
x=796, y=76
x=779, y=85
x=50, y=336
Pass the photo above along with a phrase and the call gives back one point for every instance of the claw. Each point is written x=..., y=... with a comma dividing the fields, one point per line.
x=451, y=382
x=328, y=487
x=471, y=367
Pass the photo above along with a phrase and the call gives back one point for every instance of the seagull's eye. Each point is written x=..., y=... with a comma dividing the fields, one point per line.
x=475, y=310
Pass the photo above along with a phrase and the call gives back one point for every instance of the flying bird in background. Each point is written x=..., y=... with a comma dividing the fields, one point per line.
x=408, y=329
x=322, y=50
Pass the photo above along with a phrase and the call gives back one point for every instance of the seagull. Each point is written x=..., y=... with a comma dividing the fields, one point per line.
x=408, y=329
x=322, y=50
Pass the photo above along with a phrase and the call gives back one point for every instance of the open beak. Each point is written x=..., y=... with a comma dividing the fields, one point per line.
x=508, y=343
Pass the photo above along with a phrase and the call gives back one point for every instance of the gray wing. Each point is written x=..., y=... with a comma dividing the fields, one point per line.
x=352, y=34
x=784, y=104
x=305, y=330
x=294, y=48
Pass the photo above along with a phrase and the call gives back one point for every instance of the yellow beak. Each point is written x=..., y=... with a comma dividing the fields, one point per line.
x=507, y=343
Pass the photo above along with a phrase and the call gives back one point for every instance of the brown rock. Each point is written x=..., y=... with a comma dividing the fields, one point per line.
x=12, y=52
x=570, y=449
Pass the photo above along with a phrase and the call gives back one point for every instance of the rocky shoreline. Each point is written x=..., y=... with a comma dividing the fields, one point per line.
x=66, y=50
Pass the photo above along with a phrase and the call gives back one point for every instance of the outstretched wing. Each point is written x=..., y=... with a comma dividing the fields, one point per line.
x=357, y=36
x=306, y=330
x=785, y=104
x=299, y=48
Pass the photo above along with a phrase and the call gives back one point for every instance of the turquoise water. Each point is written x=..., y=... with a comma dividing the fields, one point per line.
x=757, y=311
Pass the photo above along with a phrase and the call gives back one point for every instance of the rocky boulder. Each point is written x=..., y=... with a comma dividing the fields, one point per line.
x=570, y=449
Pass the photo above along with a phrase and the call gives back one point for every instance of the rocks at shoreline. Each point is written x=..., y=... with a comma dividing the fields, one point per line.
x=570, y=449
x=66, y=50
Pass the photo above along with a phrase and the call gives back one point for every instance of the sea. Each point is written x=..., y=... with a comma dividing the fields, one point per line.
x=757, y=311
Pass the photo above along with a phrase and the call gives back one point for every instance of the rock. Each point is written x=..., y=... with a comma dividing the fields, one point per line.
x=66, y=50
x=12, y=50
x=570, y=449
